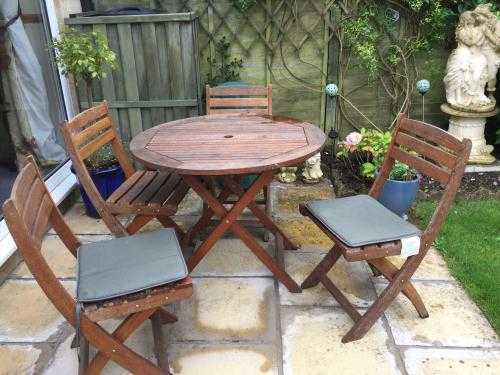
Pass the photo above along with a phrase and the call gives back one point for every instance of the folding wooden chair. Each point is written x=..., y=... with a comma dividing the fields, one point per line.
x=240, y=99
x=147, y=194
x=155, y=275
x=364, y=230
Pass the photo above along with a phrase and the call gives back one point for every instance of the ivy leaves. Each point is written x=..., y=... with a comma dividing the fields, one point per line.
x=225, y=68
x=243, y=5
x=83, y=55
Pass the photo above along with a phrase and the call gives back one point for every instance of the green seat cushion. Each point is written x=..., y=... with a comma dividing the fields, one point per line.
x=121, y=266
x=360, y=220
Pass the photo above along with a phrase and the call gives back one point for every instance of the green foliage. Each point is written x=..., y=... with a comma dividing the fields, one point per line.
x=243, y=5
x=497, y=133
x=102, y=158
x=373, y=34
x=368, y=148
x=224, y=69
x=83, y=55
x=469, y=242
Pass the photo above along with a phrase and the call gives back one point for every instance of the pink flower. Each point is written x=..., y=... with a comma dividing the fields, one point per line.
x=352, y=140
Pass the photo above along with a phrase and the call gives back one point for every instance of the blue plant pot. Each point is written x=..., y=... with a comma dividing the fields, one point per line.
x=398, y=196
x=107, y=180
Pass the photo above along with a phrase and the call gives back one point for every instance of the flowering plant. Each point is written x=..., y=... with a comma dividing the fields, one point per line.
x=367, y=148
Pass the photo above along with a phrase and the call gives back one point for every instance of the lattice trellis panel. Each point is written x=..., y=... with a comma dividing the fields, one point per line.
x=283, y=42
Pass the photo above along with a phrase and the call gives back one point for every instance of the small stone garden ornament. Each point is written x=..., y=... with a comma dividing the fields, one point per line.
x=287, y=175
x=312, y=170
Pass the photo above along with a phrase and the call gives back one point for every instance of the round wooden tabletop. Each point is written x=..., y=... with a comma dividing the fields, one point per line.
x=227, y=144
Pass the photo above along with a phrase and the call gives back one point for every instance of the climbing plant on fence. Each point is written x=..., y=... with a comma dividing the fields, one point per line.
x=285, y=43
x=370, y=48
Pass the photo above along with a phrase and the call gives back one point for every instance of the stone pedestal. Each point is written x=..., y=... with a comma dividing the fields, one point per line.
x=471, y=125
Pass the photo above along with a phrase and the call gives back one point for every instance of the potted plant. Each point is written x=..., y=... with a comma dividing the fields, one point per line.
x=366, y=151
x=86, y=56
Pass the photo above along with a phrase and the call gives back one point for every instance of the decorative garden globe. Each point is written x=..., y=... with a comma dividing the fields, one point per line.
x=423, y=86
x=331, y=89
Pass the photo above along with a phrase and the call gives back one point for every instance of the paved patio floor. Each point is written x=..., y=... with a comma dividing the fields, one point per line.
x=241, y=321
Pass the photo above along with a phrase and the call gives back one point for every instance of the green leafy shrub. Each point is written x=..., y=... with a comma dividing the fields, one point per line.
x=85, y=56
x=102, y=158
x=224, y=68
x=243, y=5
x=367, y=149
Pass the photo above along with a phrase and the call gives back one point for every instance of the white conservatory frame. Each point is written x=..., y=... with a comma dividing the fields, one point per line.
x=62, y=181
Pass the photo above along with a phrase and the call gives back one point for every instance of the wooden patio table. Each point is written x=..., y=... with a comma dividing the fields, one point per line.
x=230, y=146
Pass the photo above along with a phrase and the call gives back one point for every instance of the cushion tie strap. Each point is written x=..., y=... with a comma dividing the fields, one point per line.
x=78, y=310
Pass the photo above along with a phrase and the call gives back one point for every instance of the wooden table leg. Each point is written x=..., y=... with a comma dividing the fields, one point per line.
x=265, y=220
x=204, y=220
x=229, y=221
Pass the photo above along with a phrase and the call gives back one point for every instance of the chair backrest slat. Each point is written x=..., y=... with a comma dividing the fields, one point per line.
x=96, y=144
x=239, y=99
x=238, y=91
x=93, y=130
x=437, y=154
x=431, y=134
x=90, y=115
x=35, y=197
x=28, y=216
x=423, y=166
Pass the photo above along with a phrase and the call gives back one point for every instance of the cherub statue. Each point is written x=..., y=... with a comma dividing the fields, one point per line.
x=491, y=47
x=312, y=169
x=467, y=68
x=287, y=175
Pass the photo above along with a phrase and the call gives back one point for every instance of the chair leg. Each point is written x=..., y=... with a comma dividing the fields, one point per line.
x=111, y=347
x=138, y=222
x=168, y=222
x=265, y=192
x=397, y=284
x=83, y=356
x=322, y=268
x=160, y=346
x=166, y=316
x=389, y=271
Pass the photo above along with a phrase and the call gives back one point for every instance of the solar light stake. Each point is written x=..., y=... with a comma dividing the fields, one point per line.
x=423, y=87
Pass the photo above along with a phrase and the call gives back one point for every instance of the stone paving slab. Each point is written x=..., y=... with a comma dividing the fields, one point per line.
x=312, y=346
x=18, y=359
x=230, y=257
x=26, y=314
x=223, y=359
x=63, y=263
x=82, y=224
x=433, y=267
x=454, y=319
x=305, y=234
x=227, y=309
x=240, y=322
x=288, y=197
x=451, y=361
x=351, y=278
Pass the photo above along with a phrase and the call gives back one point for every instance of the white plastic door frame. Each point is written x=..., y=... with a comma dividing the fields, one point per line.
x=62, y=181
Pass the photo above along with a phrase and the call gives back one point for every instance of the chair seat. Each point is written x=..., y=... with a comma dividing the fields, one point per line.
x=122, y=266
x=148, y=193
x=360, y=220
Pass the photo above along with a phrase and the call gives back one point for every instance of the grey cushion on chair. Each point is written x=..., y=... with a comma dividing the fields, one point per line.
x=361, y=220
x=121, y=266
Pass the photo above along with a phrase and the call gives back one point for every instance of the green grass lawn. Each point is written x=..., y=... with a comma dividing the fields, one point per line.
x=470, y=243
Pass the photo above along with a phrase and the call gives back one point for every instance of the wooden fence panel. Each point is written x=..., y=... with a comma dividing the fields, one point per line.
x=157, y=74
